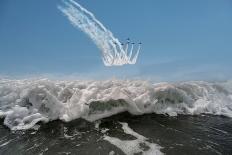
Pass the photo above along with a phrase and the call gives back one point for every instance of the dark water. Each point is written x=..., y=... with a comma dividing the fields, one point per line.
x=202, y=134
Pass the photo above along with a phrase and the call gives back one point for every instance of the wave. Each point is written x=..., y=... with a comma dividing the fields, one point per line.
x=24, y=103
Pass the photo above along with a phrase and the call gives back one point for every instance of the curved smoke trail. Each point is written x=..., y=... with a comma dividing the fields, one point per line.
x=112, y=50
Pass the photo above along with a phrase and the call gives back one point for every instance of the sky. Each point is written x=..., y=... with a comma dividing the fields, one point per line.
x=182, y=39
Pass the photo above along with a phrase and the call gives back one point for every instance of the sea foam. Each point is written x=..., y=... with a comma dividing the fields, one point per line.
x=140, y=145
x=24, y=103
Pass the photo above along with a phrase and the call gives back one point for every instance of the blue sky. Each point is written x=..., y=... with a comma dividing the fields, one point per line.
x=182, y=40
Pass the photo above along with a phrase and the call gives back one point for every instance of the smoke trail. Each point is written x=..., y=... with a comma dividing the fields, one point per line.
x=132, y=47
x=136, y=55
x=112, y=50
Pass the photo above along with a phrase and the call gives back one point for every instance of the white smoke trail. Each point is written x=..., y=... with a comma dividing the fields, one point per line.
x=113, y=53
x=132, y=47
x=133, y=61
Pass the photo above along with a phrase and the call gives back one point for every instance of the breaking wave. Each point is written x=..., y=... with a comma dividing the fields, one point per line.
x=23, y=103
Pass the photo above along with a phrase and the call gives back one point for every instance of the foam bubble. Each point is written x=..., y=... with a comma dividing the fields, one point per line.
x=23, y=103
x=138, y=146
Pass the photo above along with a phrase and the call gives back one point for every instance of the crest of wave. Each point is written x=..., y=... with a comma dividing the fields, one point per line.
x=24, y=103
x=113, y=52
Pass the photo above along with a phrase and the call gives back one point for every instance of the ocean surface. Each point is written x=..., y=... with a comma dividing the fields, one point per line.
x=42, y=116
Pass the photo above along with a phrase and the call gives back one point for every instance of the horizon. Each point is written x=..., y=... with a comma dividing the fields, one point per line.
x=181, y=40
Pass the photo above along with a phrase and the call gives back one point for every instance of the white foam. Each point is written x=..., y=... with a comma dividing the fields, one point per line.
x=23, y=103
x=111, y=153
x=5, y=143
x=131, y=147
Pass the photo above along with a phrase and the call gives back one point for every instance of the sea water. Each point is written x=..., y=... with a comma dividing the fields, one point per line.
x=45, y=116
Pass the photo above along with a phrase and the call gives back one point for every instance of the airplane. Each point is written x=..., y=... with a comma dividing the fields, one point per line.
x=128, y=40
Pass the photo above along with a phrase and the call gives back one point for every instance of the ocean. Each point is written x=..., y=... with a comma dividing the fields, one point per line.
x=109, y=117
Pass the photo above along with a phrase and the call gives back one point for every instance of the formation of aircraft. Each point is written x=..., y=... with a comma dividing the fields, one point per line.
x=128, y=41
x=126, y=54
